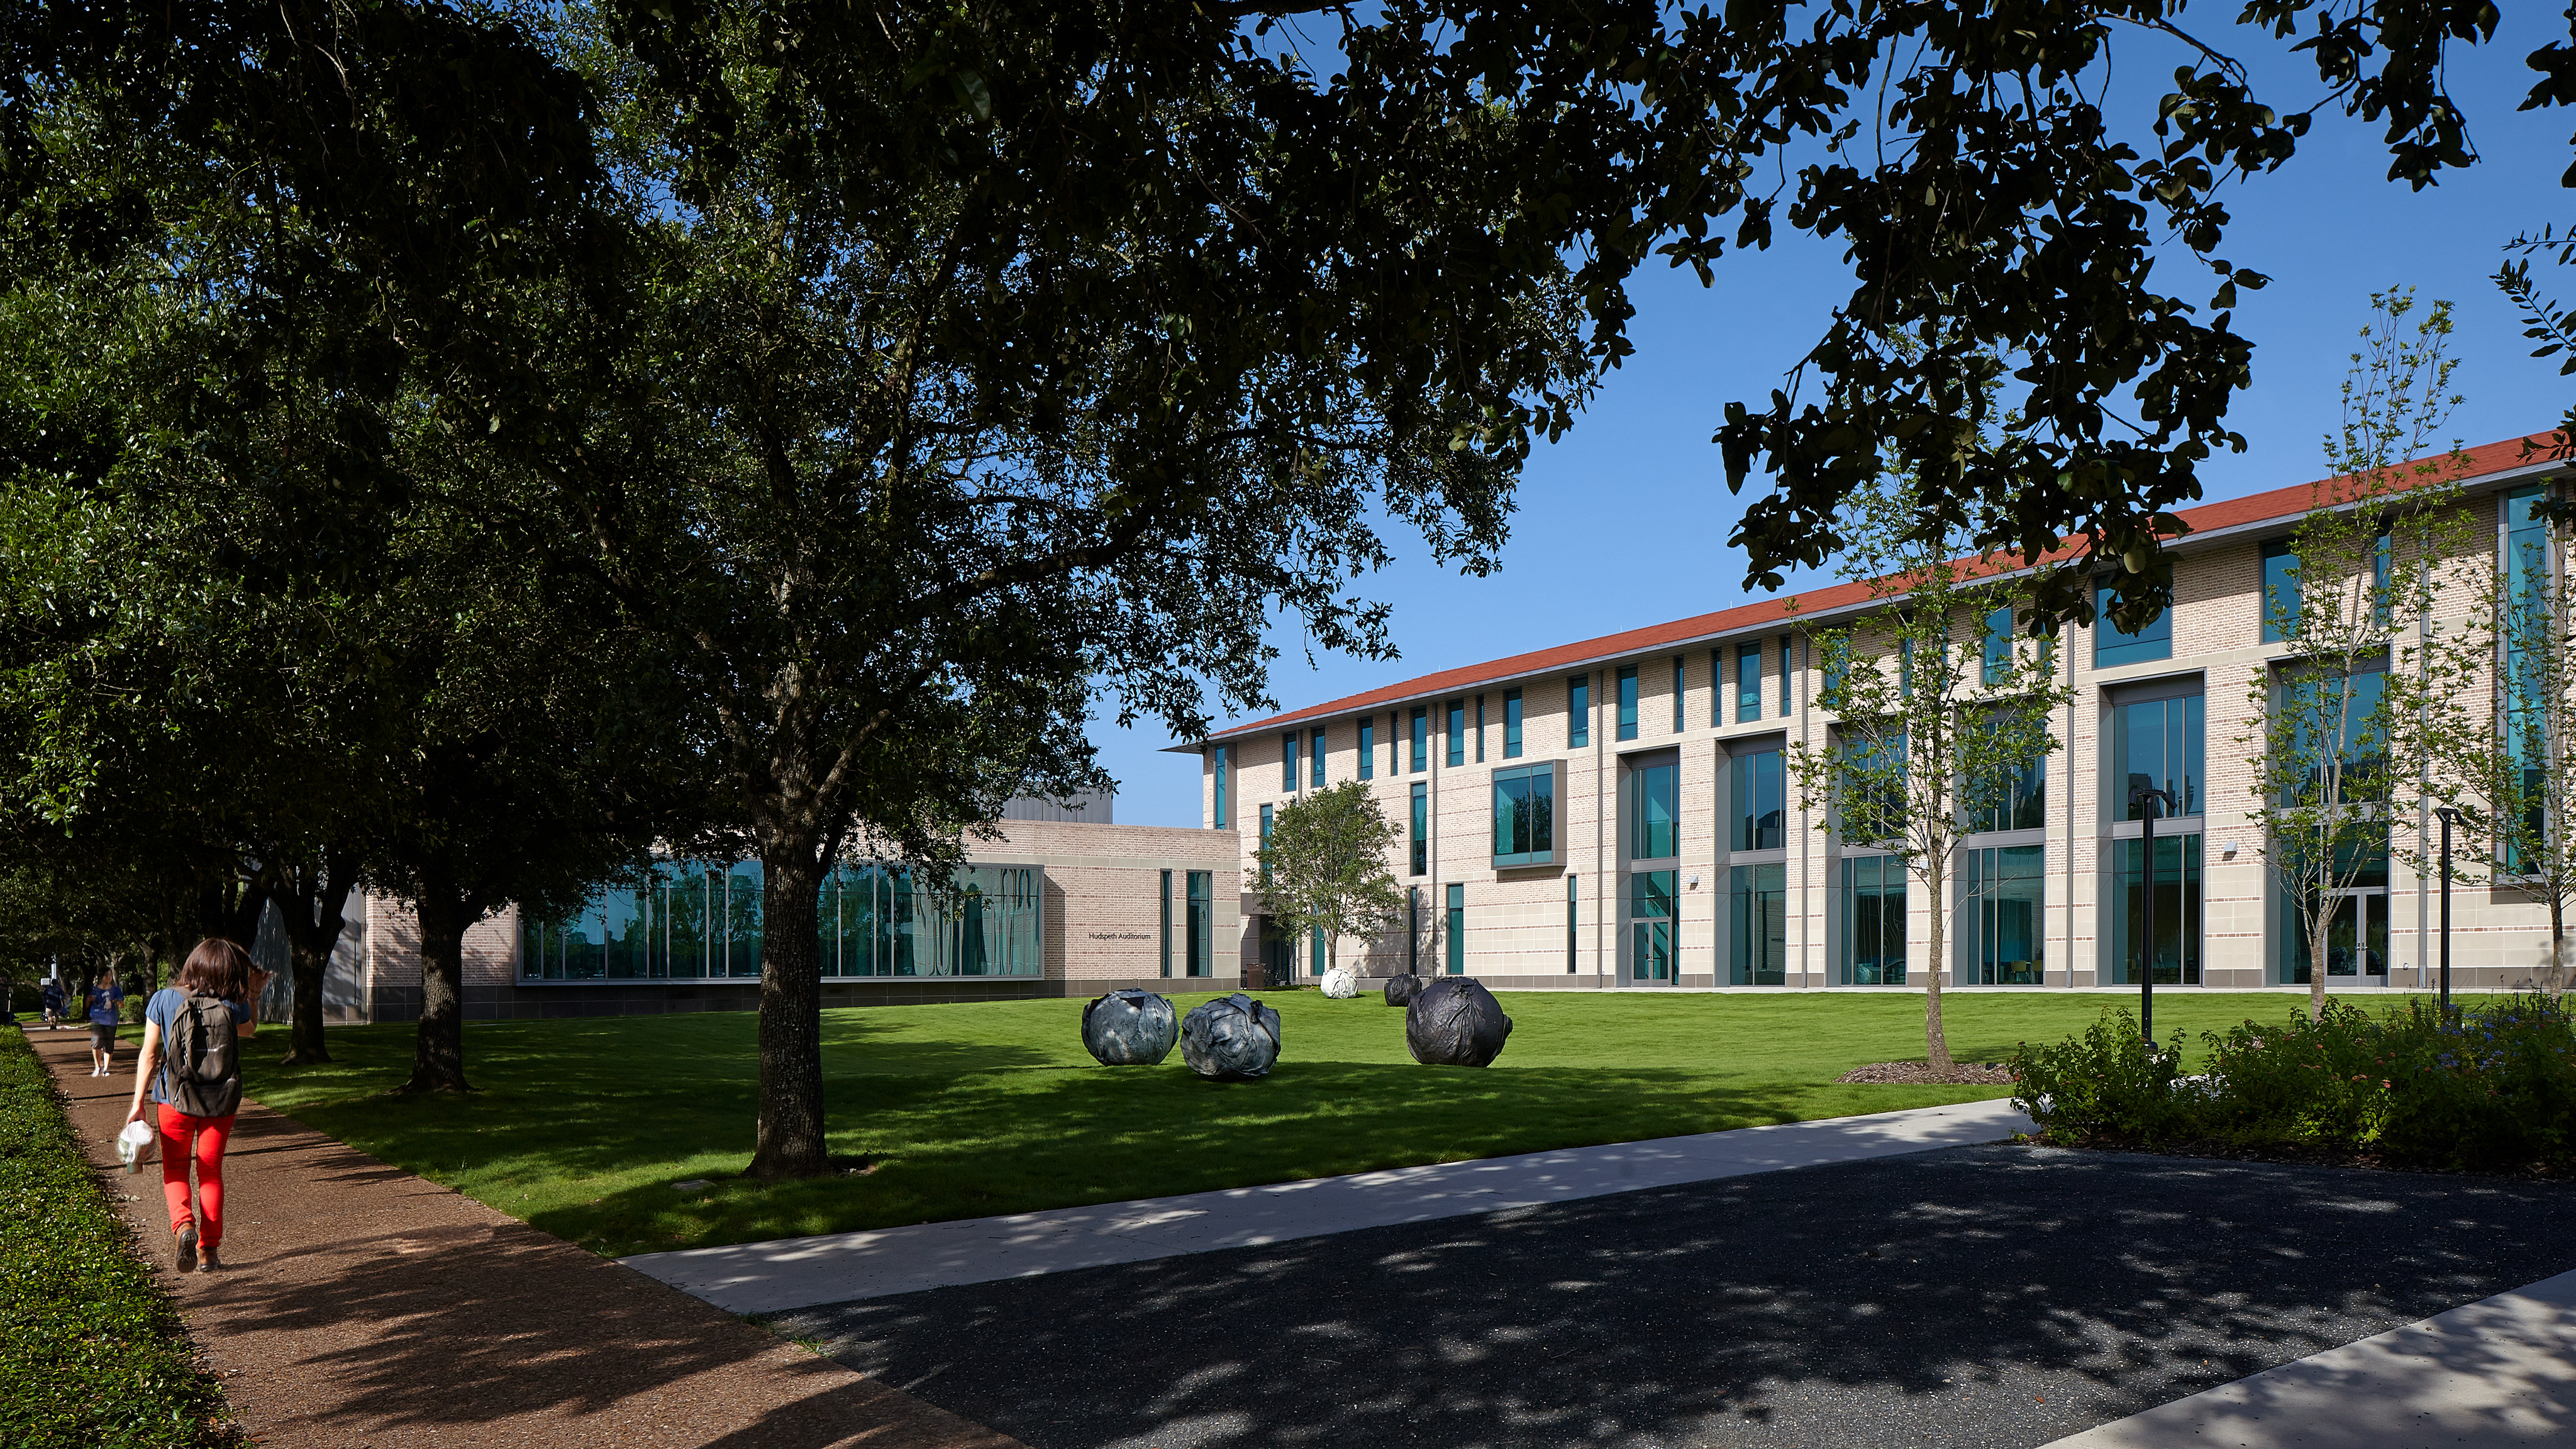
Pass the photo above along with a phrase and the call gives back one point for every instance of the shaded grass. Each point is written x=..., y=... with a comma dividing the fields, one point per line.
x=583, y=1126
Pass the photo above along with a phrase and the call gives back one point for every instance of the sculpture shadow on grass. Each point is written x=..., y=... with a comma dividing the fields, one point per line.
x=1990, y=1295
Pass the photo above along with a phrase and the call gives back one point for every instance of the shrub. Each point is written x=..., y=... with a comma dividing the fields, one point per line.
x=92, y=1354
x=2103, y=1087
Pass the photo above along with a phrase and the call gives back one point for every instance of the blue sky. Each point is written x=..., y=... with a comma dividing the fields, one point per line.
x=1625, y=521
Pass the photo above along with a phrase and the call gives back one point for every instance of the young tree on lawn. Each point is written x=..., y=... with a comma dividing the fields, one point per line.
x=2329, y=714
x=1324, y=867
x=1932, y=727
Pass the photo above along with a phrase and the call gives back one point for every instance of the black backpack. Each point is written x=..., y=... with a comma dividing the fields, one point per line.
x=202, y=1067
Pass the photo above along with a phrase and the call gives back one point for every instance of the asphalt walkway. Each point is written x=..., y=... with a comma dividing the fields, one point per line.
x=788, y=1273
x=362, y=1307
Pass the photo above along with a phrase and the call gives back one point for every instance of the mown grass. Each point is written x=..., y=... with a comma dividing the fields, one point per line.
x=582, y=1126
x=92, y=1353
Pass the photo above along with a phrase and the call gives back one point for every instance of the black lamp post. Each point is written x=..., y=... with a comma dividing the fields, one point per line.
x=2450, y=816
x=2138, y=799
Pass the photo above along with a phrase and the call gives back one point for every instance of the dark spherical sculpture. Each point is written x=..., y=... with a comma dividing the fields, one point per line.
x=1233, y=1038
x=1455, y=1022
x=1400, y=990
x=1130, y=1028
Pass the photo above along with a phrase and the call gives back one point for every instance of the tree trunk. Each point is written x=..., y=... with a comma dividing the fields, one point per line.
x=1936, y=1041
x=790, y=1140
x=309, y=899
x=438, y=1046
x=304, y=1045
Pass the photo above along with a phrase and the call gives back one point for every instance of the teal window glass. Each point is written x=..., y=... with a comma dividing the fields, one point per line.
x=1837, y=670
x=2015, y=800
x=1511, y=724
x=1165, y=950
x=1315, y=753
x=1758, y=790
x=1680, y=719
x=1525, y=816
x=2364, y=748
x=1748, y=682
x=1288, y=762
x=1419, y=826
x=1578, y=711
x=1784, y=676
x=2356, y=928
x=2112, y=647
x=998, y=928
x=1653, y=927
x=1999, y=645
x=2527, y=652
x=743, y=913
x=1873, y=809
x=1223, y=816
x=1654, y=811
x=1457, y=713
x=2157, y=745
x=2280, y=591
x=1572, y=905
x=2175, y=901
x=1628, y=703
x=1758, y=912
x=1457, y=930
x=1315, y=953
x=1905, y=666
x=1421, y=739
x=1480, y=729
x=1872, y=910
x=2000, y=936
x=680, y=921
x=1200, y=958
x=623, y=933
x=1265, y=842
x=1368, y=748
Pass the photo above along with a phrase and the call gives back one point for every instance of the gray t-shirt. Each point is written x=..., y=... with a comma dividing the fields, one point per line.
x=162, y=1010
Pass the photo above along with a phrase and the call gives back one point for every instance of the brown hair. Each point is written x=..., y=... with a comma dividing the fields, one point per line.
x=217, y=968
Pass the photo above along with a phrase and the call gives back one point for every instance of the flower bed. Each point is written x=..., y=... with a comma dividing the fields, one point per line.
x=2491, y=1089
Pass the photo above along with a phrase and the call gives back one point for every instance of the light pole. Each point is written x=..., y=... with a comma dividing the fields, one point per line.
x=2138, y=799
x=2450, y=816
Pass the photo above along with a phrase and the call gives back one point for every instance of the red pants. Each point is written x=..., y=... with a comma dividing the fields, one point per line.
x=203, y=1138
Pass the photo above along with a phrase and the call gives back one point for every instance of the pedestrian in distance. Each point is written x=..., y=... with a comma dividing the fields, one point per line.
x=106, y=1003
x=53, y=998
x=191, y=1060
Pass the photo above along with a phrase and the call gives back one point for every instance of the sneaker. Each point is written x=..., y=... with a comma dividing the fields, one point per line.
x=188, y=1249
x=211, y=1266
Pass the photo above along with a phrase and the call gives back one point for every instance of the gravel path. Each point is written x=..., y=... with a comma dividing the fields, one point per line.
x=1976, y=1296
x=362, y=1307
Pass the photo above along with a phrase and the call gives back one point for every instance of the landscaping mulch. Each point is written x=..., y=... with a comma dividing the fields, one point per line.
x=1922, y=1074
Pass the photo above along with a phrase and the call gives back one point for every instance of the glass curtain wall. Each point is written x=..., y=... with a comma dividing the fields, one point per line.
x=2173, y=899
x=2157, y=744
x=1652, y=830
x=1872, y=924
x=1758, y=907
x=2001, y=942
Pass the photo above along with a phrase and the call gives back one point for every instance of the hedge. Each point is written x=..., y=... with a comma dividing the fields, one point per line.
x=92, y=1352
x=2490, y=1088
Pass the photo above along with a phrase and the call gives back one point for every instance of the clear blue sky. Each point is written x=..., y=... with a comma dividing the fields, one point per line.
x=1624, y=523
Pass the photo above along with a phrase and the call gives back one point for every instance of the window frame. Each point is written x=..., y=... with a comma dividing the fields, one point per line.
x=1551, y=774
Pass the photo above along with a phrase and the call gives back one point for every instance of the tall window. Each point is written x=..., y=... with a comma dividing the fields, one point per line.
x=1872, y=921
x=1421, y=739
x=1165, y=896
x=1999, y=645
x=1224, y=817
x=1368, y=748
x=1748, y=681
x=1315, y=752
x=1457, y=712
x=1628, y=703
x=2173, y=898
x=1457, y=930
x=1758, y=904
x=1511, y=724
x=1265, y=843
x=2112, y=646
x=1784, y=676
x=1480, y=729
x=1571, y=899
x=1654, y=809
x=1680, y=720
x=2280, y=590
x=1758, y=789
x=1288, y=762
x=2016, y=800
x=2156, y=744
x=1421, y=830
x=1652, y=927
x=1525, y=815
x=2000, y=936
x=1578, y=711
x=1202, y=927
x=1315, y=953
x=2526, y=644
x=1413, y=930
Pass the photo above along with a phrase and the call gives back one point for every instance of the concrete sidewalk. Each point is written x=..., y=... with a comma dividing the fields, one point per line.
x=773, y=1277
x=2499, y=1373
x=362, y=1307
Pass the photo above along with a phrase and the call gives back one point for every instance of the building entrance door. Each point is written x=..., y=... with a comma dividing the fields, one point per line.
x=2357, y=939
x=1651, y=919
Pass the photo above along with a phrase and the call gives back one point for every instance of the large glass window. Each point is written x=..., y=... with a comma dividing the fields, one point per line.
x=1223, y=817
x=1785, y=672
x=1525, y=815
x=1872, y=907
x=1511, y=724
x=1288, y=762
x=1748, y=681
x=2280, y=591
x=1165, y=898
x=1652, y=927
x=2016, y=800
x=1419, y=828
x=1368, y=748
x=1758, y=900
x=1457, y=709
x=1654, y=811
x=1457, y=930
x=1201, y=959
x=1680, y=697
x=1758, y=791
x=2173, y=898
x=1578, y=711
x=1266, y=822
x=743, y=905
x=2157, y=744
x=2528, y=569
x=2001, y=925
x=2315, y=699
x=1421, y=739
x=869, y=926
x=1628, y=703
x=1480, y=729
x=1315, y=754
x=1999, y=645
x=1570, y=909
x=2113, y=647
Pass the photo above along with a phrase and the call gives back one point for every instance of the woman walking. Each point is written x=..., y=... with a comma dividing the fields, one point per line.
x=190, y=1062
x=106, y=1001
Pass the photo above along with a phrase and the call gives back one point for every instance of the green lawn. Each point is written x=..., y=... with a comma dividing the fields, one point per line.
x=582, y=1126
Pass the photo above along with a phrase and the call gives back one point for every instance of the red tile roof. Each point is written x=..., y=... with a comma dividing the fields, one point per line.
x=2277, y=505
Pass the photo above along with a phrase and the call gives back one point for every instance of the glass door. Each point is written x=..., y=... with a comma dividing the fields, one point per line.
x=1650, y=929
x=2357, y=939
